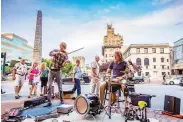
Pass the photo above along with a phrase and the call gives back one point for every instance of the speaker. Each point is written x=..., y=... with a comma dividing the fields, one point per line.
x=172, y=104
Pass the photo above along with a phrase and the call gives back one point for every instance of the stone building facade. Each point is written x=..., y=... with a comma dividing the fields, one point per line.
x=154, y=58
x=112, y=42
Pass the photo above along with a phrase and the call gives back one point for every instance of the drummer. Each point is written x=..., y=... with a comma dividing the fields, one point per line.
x=118, y=68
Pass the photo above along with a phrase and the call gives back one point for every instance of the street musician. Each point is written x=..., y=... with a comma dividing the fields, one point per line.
x=119, y=69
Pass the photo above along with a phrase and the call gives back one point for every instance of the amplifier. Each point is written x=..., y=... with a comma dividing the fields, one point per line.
x=67, y=94
x=135, y=98
x=172, y=104
x=35, y=101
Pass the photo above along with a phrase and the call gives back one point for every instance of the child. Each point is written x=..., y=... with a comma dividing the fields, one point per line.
x=44, y=78
x=76, y=78
x=34, y=73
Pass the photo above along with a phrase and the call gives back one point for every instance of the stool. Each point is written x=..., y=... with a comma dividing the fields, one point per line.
x=117, y=100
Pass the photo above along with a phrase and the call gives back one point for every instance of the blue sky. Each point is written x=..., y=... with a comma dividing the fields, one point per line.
x=82, y=23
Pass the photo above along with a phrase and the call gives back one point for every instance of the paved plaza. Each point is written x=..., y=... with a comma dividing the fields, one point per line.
x=8, y=101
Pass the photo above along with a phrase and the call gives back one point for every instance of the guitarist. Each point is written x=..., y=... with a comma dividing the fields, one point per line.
x=118, y=67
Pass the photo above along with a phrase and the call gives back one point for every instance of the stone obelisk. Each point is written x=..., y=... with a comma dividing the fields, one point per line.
x=37, y=51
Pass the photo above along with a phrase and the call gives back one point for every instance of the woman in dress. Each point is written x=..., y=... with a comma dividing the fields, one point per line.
x=33, y=78
x=44, y=78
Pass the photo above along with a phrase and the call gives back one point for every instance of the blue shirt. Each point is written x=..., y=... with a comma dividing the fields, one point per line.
x=77, y=71
x=118, y=68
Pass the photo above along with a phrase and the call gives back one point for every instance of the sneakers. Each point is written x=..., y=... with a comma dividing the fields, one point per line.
x=101, y=107
x=17, y=97
x=62, y=102
x=48, y=104
x=73, y=98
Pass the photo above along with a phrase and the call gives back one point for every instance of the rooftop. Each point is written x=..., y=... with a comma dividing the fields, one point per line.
x=147, y=45
x=9, y=36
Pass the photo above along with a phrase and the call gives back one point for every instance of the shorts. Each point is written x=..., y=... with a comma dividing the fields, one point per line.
x=19, y=81
x=31, y=82
x=44, y=81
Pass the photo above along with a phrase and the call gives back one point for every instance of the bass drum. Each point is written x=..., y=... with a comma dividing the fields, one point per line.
x=88, y=104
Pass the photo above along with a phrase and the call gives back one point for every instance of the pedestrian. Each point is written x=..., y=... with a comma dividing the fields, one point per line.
x=44, y=78
x=19, y=76
x=164, y=77
x=33, y=78
x=95, y=79
x=76, y=78
x=59, y=59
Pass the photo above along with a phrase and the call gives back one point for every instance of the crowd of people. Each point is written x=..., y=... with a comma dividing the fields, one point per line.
x=118, y=67
x=35, y=75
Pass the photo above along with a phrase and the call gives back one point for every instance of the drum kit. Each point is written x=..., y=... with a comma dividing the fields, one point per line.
x=89, y=104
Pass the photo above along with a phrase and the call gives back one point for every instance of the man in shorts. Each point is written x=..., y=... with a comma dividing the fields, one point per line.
x=19, y=76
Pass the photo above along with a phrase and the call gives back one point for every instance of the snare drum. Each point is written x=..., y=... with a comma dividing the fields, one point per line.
x=87, y=104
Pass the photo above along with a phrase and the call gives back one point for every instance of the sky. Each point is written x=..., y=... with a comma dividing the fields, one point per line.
x=83, y=23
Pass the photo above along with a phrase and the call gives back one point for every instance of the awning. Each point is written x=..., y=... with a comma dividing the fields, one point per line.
x=178, y=66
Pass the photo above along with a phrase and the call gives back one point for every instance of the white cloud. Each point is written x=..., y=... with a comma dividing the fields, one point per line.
x=170, y=16
x=155, y=27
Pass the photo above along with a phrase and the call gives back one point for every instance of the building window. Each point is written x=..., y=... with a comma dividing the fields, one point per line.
x=154, y=59
x=163, y=66
x=145, y=50
x=105, y=55
x=167, y=67
x=161, y=50
x=146, y=61
x=139, y=73
x=163, y=73
x=146, y=67
x=153, y=50
x=147, y=73
x=162, y=59
x=154, y=66
x=138, y=61
x=167, y=60
x=138, y=50
x=168, y=73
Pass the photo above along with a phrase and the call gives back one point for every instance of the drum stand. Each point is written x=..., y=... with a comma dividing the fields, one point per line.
x=110, y=106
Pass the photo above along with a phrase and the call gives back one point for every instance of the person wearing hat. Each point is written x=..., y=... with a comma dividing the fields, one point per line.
x=59, y=59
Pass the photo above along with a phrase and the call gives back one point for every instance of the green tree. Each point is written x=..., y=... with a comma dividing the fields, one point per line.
x=48, y=61
x=13, y=62
x=67, y=69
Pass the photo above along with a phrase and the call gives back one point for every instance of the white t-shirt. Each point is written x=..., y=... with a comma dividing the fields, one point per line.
x=20, y=68
x=95, y=65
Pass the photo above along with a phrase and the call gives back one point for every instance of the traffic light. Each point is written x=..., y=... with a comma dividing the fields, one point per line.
x=3, y=55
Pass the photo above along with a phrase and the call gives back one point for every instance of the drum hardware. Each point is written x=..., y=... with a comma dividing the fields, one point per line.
x=138, y=114
x=112, y=81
